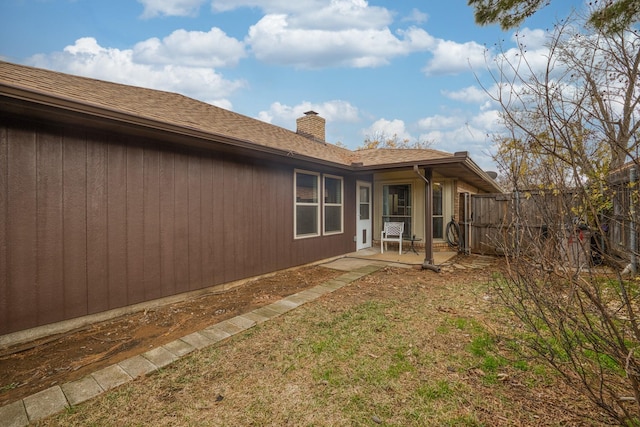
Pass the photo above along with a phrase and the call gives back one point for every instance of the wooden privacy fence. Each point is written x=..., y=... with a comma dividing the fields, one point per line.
x=522, y=222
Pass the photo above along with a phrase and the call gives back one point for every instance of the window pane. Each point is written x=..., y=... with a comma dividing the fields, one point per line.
x=364, y=211
x=364, y=194
x=397, y=200
x=332, y=190
x=332, y=219
x=438, y=228
x=396, y=205
x=306, y=220
x=437, y=199
x=306, y=188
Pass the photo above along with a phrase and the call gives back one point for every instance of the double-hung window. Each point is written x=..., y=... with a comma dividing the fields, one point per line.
x=311, y=209
x=332, y=204
x=307, y=217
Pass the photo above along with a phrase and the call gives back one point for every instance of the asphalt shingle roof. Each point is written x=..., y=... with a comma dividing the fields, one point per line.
x=184, y=112
x=166, y=107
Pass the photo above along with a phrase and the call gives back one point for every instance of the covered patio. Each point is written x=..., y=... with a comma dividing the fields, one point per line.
x=408, y=258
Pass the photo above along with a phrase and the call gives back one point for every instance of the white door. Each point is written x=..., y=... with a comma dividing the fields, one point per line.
x=363, y=212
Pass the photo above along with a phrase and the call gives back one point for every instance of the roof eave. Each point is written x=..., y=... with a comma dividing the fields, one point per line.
x=459, y=159
x=75, y=106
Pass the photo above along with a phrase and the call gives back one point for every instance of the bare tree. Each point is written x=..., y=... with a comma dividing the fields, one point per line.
x=383, y=140
x=571, y=124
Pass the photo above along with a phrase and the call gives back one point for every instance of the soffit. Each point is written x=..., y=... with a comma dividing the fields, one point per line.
x=182, y=116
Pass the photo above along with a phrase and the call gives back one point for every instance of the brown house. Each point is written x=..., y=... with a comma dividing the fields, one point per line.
x=113, y=195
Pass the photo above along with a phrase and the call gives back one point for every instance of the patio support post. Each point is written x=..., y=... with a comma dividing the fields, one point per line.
x=428, y=221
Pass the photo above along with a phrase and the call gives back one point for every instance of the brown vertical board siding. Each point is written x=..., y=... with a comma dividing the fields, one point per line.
x=21, y=229
x=245, y=260
x=208, y=241
x=167, y=223
x=92, y=222
x=135, y=224
x=74, y=222
x=97, y=220
x=285, y=210
x=50, y=247
x=117, y=224
x=195, y=224
x=217, y=214
x=229, y=215
x=4, y=219
x=266, y=212
x=181, y=222
x=151, y=207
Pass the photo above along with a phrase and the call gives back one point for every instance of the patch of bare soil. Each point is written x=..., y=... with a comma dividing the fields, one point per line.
x=280, y=376
x=31, y=367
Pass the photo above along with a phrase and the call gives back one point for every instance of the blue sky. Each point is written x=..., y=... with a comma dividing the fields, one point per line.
x=405, y=68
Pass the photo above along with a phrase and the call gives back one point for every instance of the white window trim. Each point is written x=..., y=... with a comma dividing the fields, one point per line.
x=448, y=199
x=296, y=204
x=341, y=205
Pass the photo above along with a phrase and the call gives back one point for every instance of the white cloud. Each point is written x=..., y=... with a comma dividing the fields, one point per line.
x=191, y=48
x=439, y=122
x=529, y=56
x=389, y=129
x=464, y=131
x=471, y=94
x=416, y=16
x=316, y=14
x=331, y=111
x=530, y=39
x=342, y=14
x=153, y=8
x=87, y=58
x=273, y=40
x=305, y=33
x=450, y=57
x=488, y=120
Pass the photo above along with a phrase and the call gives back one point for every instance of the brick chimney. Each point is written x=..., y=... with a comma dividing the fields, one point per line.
x=311, y=125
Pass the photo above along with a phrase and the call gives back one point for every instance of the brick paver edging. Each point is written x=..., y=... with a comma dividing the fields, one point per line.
x=60, y=397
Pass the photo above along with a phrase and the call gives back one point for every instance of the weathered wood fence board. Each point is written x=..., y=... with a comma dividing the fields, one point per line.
x=502, y=222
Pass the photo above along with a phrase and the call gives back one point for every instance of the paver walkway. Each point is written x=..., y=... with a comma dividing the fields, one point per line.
x=57, y=398
x=60, y=397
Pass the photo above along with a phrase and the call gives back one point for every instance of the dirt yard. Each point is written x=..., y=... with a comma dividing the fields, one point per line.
x=269, y=378
x=31, y=367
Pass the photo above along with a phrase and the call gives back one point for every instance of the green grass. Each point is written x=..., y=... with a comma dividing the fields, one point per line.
x=347, y=361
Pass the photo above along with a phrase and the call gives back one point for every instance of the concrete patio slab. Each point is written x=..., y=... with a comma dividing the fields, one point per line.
x=348, y=264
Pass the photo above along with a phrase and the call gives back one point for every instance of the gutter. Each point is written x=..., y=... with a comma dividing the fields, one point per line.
x=79, y=107
x=71, y=105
